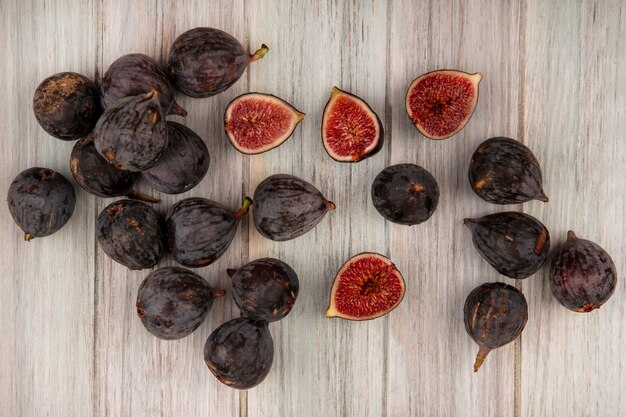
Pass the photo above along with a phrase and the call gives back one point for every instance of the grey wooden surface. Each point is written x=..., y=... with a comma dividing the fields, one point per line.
x=554, y=72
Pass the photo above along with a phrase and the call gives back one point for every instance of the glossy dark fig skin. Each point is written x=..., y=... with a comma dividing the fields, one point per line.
x=199, y=230
x=287, y=207
x=41, y=201
x=136, y=74
x=132, y=133
x=129, y=232
x=66, y=105
x=265, y=289
x=582, y=275
x=172, y=302
x=184, y=163
x=405, y=194
x=515, y=244
x=206, y=61
x=504, y=171
x=240, y=353
x=495, y=314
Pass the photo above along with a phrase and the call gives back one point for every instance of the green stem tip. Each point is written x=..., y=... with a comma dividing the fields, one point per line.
x=260, y=53
x=247, y=202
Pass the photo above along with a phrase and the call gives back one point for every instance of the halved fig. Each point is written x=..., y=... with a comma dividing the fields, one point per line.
x=351, y=131
x=440, y=103
x=257, y=122
x=366, y=287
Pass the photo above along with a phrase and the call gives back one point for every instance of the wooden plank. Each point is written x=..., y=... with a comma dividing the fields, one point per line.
x=575, y=118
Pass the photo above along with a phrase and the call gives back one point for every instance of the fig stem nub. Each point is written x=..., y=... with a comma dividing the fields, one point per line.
x=330, y=206
x=231, y=272
x=247, y=202
x=260, y=53
x=571, y=235
x=468, y=221
x=218, y=293
x=476, y=77
x=480, y=357
x=542, y=196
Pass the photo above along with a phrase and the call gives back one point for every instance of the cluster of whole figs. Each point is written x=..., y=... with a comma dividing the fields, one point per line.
x=123, y=135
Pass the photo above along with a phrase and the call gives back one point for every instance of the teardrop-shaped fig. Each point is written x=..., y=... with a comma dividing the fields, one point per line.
x=440, y=103
x=132, y=133
x=206, y=61
x=515, y=244
x=351, y=130
x=582, y=275
x=405, y=194
x=265, y=289
x=495, y=314
x=287, y=207
x=240, y=353
x=172, y=302
x=136, y=74
x=199, y=230
x=504, y=171
x=256, y=122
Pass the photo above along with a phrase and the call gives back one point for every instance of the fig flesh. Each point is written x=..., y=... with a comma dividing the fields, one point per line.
x=265, y=289
x=405, y=194
x=351, y=130
x=199, y=230
x=66, y=105
x=256, y=122
x=184, y=163
x=206, y=61
x=41, y=201
x=129, y=232
x=515, y=244
x=504, y=171
x=366, y=287
x=132, y=133
x=440, y=103
x=287, y=207
x=494, y=314
x=172, y=302
x=136, y=74
x=240, y=353
x=582, y=275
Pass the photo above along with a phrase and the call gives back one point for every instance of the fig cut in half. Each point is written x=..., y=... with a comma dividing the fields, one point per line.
x=366, y=287
x=257, y=122
x=351, y=131
x=440, y=103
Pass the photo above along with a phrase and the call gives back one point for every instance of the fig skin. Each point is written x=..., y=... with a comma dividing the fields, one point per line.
x=129, y=232
x=240, y=353
x=515, y=244
x=206, y=61
x=184, y=163
x=41, y=201
x=582, y=275
x=495, y=314
x=66, y=105
x=199, y=230
x=265, y=289
x=504, y=171
x=132, y=133
x=172, y=302
x=405, y=194
x=137, y=74
x=287, y=207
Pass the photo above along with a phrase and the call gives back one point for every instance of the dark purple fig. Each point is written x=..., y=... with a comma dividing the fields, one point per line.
x=130, y=233
x=199, y=230
x=582, y=275
x=351, y=131
x=136, y=74
x=405, y=194
x=495, y=314
x=172, y=302
x=132, y=133
x=183, y=164
x=66, y=105
x=504, y=171
x=287, y=207
x=41, y=201
x=515, y=244
x=240, y=353
x=265, y=289
x=206, y=61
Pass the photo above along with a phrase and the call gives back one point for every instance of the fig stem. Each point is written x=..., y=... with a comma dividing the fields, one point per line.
x=260, y=53
x=571, y=235
x=330, y=206
x=136, y=195
x=27, y=237
x=218, y=293
x=178, y=110
x=541, y=196
x=480, y=357
x=468, y=221
x=247, y=202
